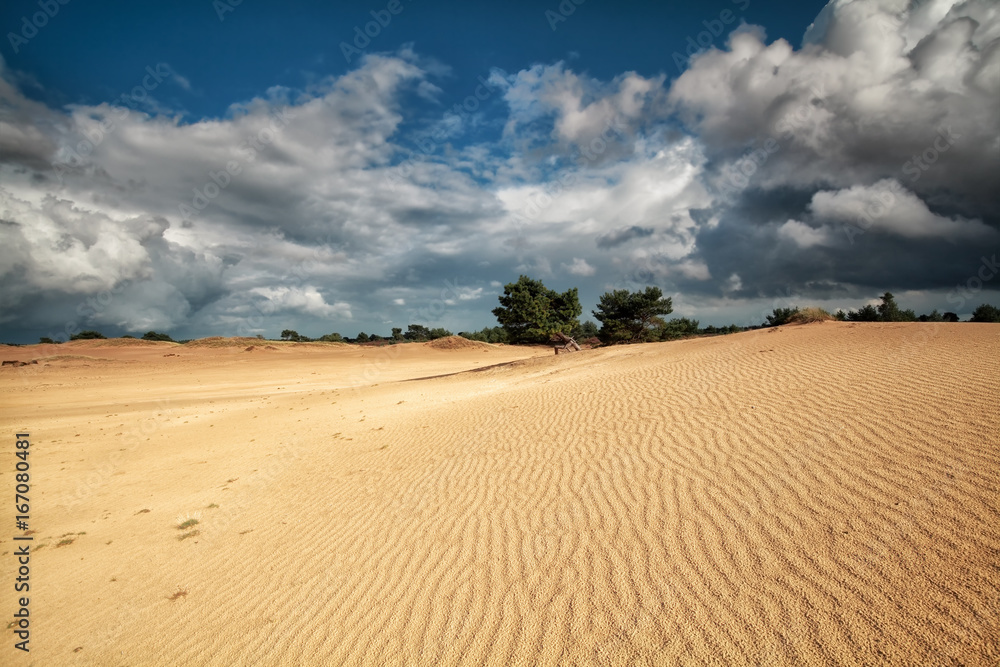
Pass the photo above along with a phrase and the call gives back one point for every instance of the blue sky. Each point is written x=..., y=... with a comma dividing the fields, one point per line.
x=807, y=154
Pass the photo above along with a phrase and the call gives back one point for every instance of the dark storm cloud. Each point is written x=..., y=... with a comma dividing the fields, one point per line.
x=624, y=235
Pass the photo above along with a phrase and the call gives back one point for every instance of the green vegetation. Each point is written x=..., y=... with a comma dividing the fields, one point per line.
x=486, y=335
x=986, y=313
x=529, y=312
x=46, y=339
x=780, y=316
x=187, y=524
x=152, y=335
x=631, y=317
x=87, y=335
x=679, y=327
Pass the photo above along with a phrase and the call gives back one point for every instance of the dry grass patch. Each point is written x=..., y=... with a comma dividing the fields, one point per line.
x=809, y=315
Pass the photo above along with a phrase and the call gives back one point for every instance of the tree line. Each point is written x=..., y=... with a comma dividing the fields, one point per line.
x=530, y=313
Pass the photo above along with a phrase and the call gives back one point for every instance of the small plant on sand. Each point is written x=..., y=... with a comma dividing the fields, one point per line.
x=179, y=594
x=193, y=533
x=65, y=542
x=212, y=506
x=187, y=524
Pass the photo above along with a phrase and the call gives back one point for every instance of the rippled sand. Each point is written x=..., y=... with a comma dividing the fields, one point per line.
x=823, y=494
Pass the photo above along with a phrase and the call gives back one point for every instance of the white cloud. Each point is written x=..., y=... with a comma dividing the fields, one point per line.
x=306, y=300
x=579, y=267
x=803, y=235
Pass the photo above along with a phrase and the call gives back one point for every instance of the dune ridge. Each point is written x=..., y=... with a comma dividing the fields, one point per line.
x=823, y=494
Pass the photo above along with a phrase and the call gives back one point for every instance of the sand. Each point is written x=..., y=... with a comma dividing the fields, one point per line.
x=824, y=494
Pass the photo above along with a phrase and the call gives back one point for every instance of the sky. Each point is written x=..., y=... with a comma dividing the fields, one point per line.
x=244, y=167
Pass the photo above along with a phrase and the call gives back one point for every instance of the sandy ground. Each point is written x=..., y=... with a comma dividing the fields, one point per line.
x=813, y=495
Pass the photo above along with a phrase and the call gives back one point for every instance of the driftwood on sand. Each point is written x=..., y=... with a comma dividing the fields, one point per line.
x=563, y=342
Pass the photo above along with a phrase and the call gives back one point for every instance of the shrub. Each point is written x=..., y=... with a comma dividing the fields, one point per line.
x=152, y=335
x=46, y=339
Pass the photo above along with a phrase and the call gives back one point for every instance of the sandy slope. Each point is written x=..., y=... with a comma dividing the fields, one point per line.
x=823, y=494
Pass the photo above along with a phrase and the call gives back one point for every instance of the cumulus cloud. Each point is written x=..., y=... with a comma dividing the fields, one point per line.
x=579, y=267
x=886, y=100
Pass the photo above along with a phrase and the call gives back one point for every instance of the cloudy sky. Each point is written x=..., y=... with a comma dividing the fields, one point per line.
x=234, y=168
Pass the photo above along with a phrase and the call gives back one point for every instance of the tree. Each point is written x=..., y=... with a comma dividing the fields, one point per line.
x=631, y=317
x=289, y=334
x=152, y=335
x=586, y=330
x=417, y=332
x=888, y=311
x=781, y=316
x=332, y=338
x=486, y=335
x=678, y=327
x=950, y=317
x=866, y=313
x=438, y=332
x=87, y=335
x=46, y=339
x=397, y=334
x=986, y=313
x=362, y=338
x=529, y=312
x=934, y=316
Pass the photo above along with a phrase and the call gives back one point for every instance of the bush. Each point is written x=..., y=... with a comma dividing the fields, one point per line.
x=631, y=317
x=986, y=313
x=362, y=338
x=88, y=335
x=46, y=339
x=332, y=338
x=152, y=335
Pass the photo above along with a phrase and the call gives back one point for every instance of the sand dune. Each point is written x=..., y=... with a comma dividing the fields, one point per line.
x=812, y=495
